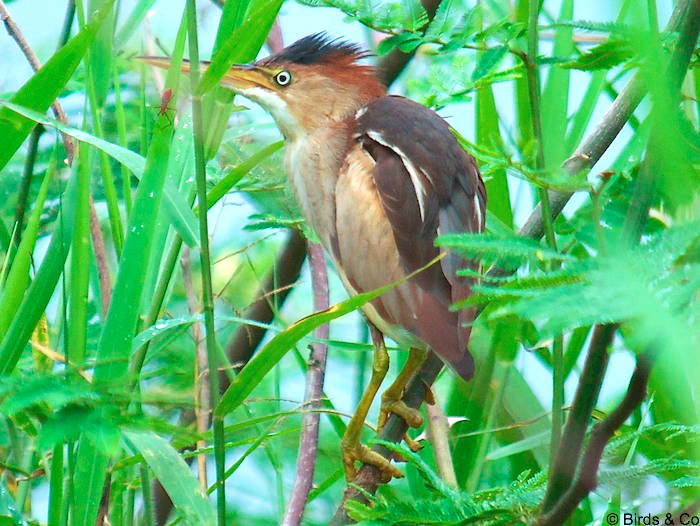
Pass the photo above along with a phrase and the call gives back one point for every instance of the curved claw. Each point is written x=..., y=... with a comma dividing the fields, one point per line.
x=391, y=405
x=360, y=452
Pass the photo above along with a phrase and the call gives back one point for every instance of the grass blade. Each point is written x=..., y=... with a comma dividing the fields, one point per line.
x=43, y=88
x=175, y=476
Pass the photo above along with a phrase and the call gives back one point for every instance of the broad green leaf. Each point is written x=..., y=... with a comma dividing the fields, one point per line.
x=46, y=84
x=114, y=345
x=101, y=51
x=488, y=134
x=176, y=477
x=555, y=95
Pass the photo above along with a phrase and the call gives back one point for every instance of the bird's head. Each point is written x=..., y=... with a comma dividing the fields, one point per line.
x=308, y=85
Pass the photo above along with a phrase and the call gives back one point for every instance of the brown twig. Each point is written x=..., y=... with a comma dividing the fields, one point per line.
x=391, y=65
x=308, y=444
x=98, y=244
x=603, y=431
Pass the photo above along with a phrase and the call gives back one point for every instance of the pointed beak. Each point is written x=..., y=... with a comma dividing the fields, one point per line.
x=238, y=78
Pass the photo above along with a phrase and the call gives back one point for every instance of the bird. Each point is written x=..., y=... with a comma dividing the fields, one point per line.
x=378, y=177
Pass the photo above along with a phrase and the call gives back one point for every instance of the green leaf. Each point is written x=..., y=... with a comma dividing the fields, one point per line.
x=406, y=42
x=40, y=291
x=607, y=55
x=236, y=174
x=18, y=277
x=488, y=61
x=133, y=21
x=175, y=476
x=114, y=346
x=46, y=84
x=242, y=45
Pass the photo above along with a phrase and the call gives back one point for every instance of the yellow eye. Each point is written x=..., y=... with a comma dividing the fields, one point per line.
x=283, y=78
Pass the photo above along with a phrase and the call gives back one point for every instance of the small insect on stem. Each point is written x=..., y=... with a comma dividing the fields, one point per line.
x=164, y=101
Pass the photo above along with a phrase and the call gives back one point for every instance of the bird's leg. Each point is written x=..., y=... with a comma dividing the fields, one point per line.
x=352, y=449
x=391, y=399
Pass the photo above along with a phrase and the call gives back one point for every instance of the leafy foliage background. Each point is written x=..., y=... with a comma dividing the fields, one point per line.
x=128, y=398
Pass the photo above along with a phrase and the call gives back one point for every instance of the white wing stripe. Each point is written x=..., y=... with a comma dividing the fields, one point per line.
x=418, y=186
x=477, y=211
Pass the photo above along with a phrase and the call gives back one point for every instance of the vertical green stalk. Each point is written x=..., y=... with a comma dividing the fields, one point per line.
x=205, y=261
x=121, y=134
x=535, y=106
x=56, y=486
x=148, y=511
x=79, y=266
x=106, y=169
x=533, y=83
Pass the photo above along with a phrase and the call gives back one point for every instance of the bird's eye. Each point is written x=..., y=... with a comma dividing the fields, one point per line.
x=283, y=78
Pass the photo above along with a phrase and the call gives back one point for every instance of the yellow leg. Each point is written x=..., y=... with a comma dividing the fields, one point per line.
x=391, y=399
x=352, y=449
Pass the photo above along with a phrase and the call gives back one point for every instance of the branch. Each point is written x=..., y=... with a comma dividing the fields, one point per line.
x=315, y=374
x=564, y=466
x=587, y=479
x=438, y=432
x=202, y=407
x=391, y=65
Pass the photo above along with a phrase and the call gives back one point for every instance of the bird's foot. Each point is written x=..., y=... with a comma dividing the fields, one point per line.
x=353, y=452
x=412, y=417
x=391, y=405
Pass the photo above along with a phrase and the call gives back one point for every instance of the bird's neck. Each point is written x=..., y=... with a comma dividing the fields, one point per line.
x=312, y=161
x=312, y=117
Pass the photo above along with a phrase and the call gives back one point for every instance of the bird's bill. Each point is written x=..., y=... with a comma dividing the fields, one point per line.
x=237, y=78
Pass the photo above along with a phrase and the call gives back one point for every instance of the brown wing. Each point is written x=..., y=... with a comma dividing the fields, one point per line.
x=429, y=186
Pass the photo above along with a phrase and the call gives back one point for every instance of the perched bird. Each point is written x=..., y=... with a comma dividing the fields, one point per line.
x=378, y=177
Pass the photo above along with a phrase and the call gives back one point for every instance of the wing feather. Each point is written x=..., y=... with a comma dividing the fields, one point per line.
x=428, y=186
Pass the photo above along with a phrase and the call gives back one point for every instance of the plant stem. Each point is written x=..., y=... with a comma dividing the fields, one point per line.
x=564, y=465
x=601, y=434
x=205, y=261
x=562, y=495
x=599, y=140
x=315, y=375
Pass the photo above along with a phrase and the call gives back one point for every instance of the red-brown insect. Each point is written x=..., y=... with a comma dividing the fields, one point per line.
x=164, y=101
